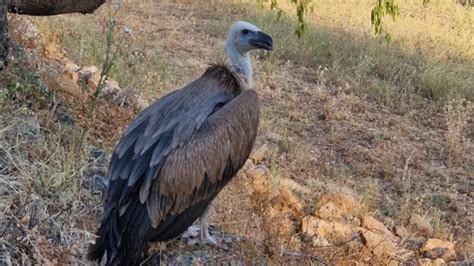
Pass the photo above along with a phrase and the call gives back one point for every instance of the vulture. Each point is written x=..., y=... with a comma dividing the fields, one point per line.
x=179, y=152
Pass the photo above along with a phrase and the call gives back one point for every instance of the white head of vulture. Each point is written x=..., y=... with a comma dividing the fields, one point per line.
x=177, y=154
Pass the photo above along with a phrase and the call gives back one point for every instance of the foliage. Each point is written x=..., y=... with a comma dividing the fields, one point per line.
x=381, y=8
x=302, y=8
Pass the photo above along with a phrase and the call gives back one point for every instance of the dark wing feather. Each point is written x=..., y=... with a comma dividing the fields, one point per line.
x=195, y=172
x=157, y=131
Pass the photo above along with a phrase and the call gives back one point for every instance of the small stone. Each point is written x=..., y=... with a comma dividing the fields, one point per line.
x=255, y=173
x=401, y=231
x=379, y=244
x=259, y=154
x=290, y=203
x=69, y=66
x=73, y=76
x=319, y=241
x=424, y=262
x=436, y=248
x=94, y=80
x=329, y=211
x=51, y=50
x=112, y=92
x=372, y=224
x=86, y=72
x=112, y=84
x=429, y=262
x=393, y=263
x=315, y=226
x=344, y=201
x=421, y=223
x=414, y=243
x=25, y=220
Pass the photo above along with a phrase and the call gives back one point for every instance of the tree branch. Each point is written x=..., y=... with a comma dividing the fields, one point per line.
x=53, y=7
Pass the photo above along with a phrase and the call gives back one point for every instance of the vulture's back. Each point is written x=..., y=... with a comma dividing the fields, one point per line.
x=173, y=160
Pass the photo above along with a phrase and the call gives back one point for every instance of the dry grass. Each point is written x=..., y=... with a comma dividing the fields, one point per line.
x=430, y=55
x=44, y=205
x=341, y=111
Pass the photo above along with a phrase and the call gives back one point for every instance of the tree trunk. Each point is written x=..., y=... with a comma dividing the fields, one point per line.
x=4, y=39
x=38, y=8
x=53, y=7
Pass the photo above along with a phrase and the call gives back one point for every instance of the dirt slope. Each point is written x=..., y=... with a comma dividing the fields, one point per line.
x=409, y=165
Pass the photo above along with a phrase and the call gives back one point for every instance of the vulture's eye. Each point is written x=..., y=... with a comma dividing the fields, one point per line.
x=245, y=32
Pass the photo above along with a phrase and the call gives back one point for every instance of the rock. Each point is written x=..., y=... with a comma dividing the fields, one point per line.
x=255, y=173
x=343, y=201
x=274, y=137
x=259, y=154
x=112, y=91
x=25, y=220
x=319, y=241
x=86, y=72
x=329, y=211
x=421, y=223
x=436, y=248
x=393, y=263
x=94, y=80
x=73, y=76
x=429, y=262
x=414, y=243
x=379, y=244
x=439, y=262
x=71, y=86
x=315, y=226
x=128, y=97
x=52, y=50
x=112, y=84
x=260, y=182
x=374, y=225
x=424, y=262
x=401, y=231
x=69, y=66
x=287, y=202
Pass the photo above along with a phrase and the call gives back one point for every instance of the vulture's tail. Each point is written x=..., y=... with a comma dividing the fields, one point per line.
x=123, y=247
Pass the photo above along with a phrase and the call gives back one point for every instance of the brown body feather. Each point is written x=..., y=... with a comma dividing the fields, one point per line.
x=173, y=160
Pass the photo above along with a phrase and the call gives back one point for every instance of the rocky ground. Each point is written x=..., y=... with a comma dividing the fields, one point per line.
x=336, y=177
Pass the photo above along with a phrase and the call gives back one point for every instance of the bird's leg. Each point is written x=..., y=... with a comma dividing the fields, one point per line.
x=199, y=233
x=205, y=235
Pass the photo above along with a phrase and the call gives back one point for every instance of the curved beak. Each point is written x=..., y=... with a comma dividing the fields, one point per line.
x=263, y=41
